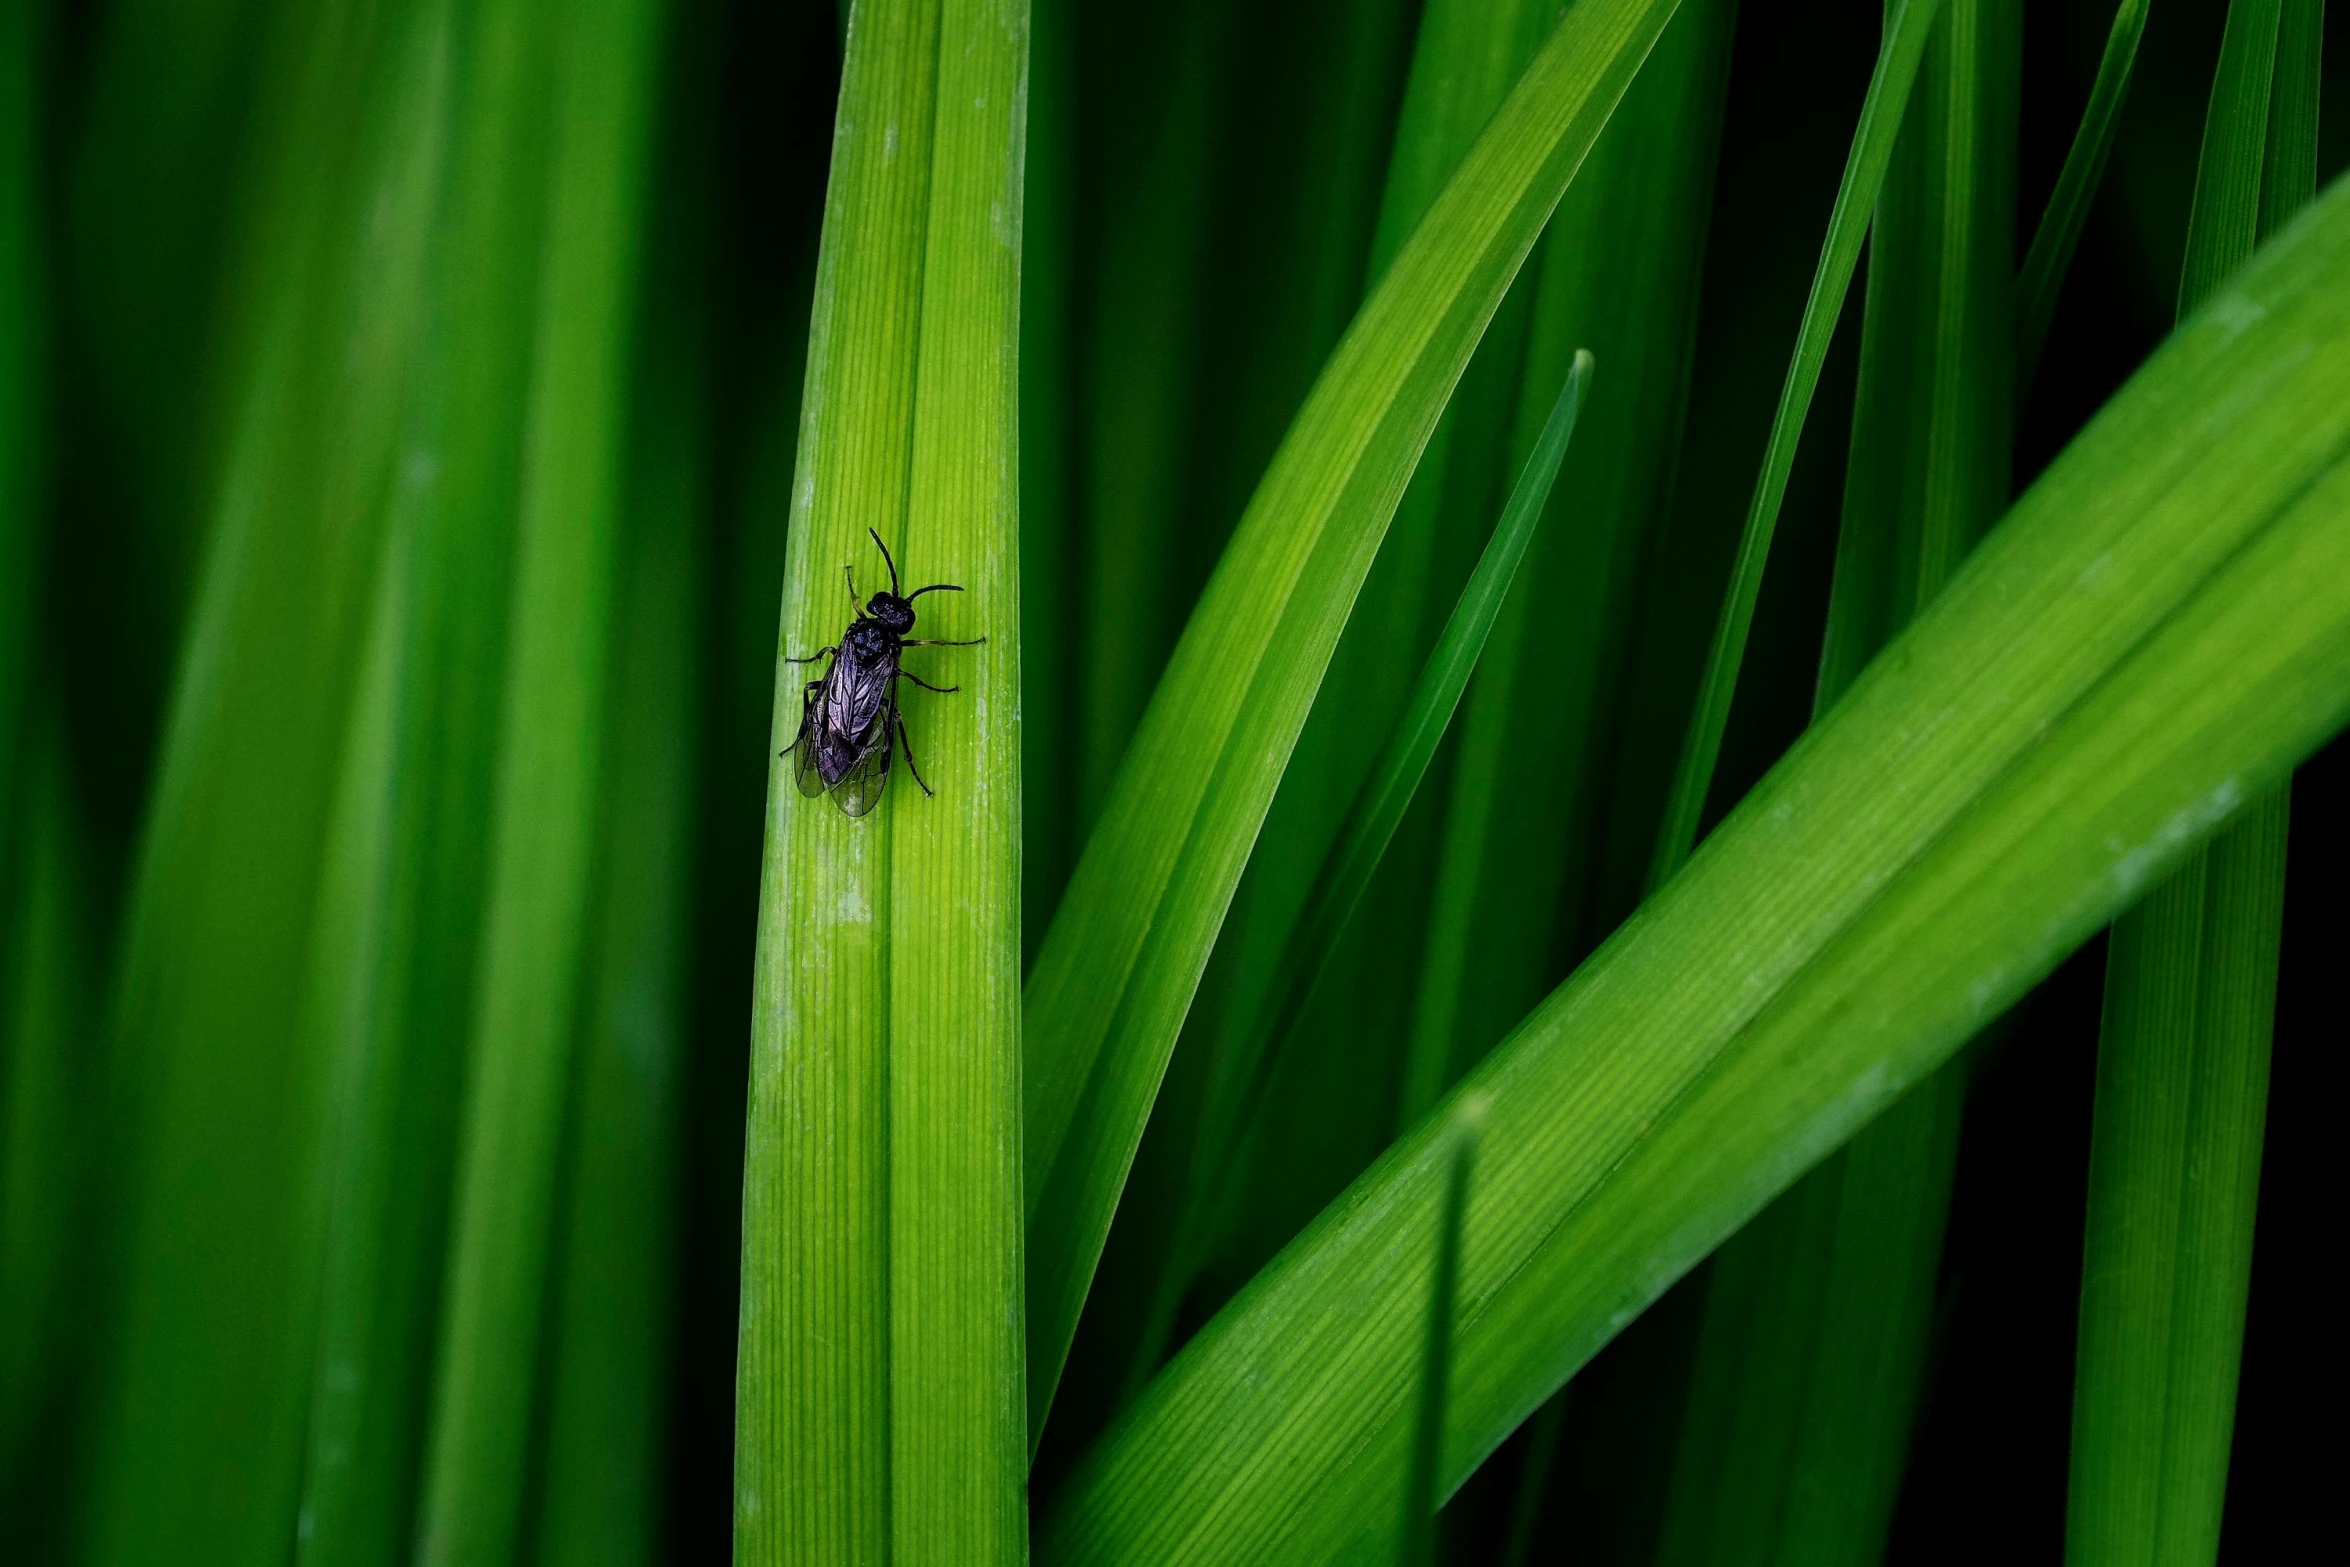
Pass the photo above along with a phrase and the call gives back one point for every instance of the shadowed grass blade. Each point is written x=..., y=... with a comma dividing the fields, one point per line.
x=1416, y=1544
x=958, y=1423
x=2190, y=996
x=400, y=1048
x=1118, y=970
x=1907, y=26
x=534, y=926
x=1886, y=889
x=2042, y=278
x=22, y=33
x=1619, y=270
x=1237, y=1095
x=217, y=1170
x=1816, y=1314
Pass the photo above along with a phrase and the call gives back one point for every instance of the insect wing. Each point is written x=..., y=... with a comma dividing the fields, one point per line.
x=803, y=748
x=859, y=789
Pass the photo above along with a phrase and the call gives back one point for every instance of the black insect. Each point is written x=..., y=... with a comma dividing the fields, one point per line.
x=849, y=715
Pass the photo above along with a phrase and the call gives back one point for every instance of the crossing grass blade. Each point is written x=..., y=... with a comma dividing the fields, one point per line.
x=2190, y=996
x=1118, y=970
x=879, y=1382
x=534, y=924
x=1785, y=988
x=1378, y=809
x=1908, y=23
x=2053, y=242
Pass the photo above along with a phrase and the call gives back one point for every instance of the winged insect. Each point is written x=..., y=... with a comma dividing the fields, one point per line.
x=850, y=726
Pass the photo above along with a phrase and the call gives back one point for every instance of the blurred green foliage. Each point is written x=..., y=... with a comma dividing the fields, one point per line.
x=400, y=403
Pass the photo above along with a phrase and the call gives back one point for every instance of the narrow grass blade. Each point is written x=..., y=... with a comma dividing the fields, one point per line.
x=49, y=1080
x=601, y=1500
x=958, y=1422
x=399, y=1049
x=1391, y=785
x=879, y=1387
x=2053, y=242
x=1464, y=58
x=1048, y=446
x=2190, y=996
x=1817, y=1313
x=1620, y=270
x=1347, y=868
x=812, y=1436
x=216, y=1166
x=534, y=926
x=1907, y=25
x=22, y=33
x=1138, y=366
x=1118, y=970
x=1416, y=1536
x=1885, y=890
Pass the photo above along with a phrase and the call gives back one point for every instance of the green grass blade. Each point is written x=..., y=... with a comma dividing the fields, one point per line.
x=1620, y=270
x=1390, y=787
x=1048, y=412
x=879, y=1386
x=1118, y=970
x=403, y=1053
x=534, y=925
x=958, y=1422
x=1139, y=372
x=221, y=1111
x=1816, y=1315
x=2224, y=223
x=602, y=1496
x=1352, y=858
x=1907, y=26
x=814, y=1350
x=1416, y=1542
x=22, y=32
x=49, y=1079
x=2054, y=241
x=1886, y=890
x=1464, y=58
x=2182, y=1071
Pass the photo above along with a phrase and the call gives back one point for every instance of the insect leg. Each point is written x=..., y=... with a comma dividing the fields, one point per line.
x=907, y=742
x=942, y=642
x=850, y=577
x=908, y=674
x=812, y=657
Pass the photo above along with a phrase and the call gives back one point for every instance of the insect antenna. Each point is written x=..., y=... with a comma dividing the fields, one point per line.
x=885, y=555
x=935, y=587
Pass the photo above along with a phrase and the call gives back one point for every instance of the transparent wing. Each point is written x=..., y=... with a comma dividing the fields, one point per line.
x=803, y=750
x=859, y=789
